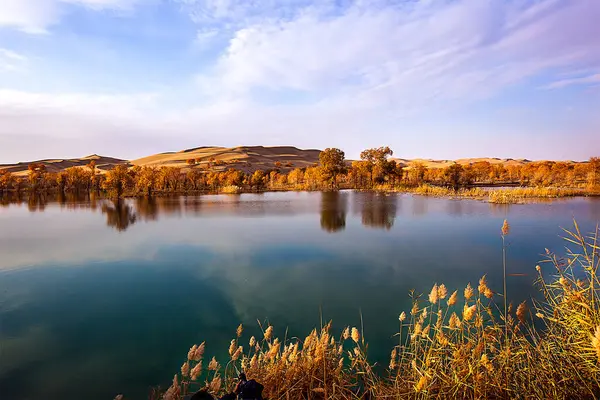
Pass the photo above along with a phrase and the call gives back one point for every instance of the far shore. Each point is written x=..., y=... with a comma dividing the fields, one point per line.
x=501, y=193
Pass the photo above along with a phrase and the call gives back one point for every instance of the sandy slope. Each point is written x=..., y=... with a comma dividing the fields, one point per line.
x=55, y=165
x=246, y=158
x=429, y=163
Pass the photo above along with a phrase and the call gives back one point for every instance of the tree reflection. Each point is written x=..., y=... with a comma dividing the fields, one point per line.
x=333, y=211
x=37, y=202
x=170, y=205
x=147, y=208
x=192, y=205
x=379, y=210
x=6, y=199
x=76, y=200
x=119, y=214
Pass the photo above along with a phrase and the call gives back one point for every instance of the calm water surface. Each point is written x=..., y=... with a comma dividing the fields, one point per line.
x=98, y=298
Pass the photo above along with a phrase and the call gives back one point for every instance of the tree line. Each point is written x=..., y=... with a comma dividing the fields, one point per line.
x=374, y=170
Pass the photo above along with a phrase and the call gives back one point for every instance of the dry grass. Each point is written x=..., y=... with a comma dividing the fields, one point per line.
x=498, y=196
x=518, y=195
x=231, y=189
x=459, y=344
x=439, y=191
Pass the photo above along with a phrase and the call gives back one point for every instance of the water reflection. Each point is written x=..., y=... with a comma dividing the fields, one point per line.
x=419, y=206
x=376, y=210
x=126, y=307
x=333, y=211
x=379, y=210
x=77, y=200
x=7, y=199
x=37, y=202
x=147, y=208
x=119, y=214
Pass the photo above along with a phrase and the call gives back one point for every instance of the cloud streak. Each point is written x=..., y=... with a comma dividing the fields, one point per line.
x=591, y=79
x=11, y=61
x=411, y=52
x=36, y=16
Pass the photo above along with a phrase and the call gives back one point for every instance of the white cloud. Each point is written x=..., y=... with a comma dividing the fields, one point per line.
x=105, y=4
x=36, y=16
x=118, y=105
x=236, y=13
x=310, y=73
x=11, y=61
x=31, y=16
x=591, y=79
x=409, y=53
x=42, y=125
x=205, y=37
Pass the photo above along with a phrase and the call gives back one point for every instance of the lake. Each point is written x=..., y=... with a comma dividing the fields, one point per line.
x=98, y=298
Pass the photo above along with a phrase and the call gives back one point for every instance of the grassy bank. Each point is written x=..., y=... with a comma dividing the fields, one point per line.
x=456, y=343
x=498, y=196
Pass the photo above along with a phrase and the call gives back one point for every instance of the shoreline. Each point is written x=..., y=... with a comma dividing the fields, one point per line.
x=503, y=195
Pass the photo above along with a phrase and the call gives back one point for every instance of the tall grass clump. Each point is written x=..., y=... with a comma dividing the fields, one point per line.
x=518, y=195
x=441, y=191
x=231, y=189
x=466, y=343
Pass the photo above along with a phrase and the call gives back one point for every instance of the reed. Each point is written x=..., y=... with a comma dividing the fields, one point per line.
x=440, y=191
x=471, y=344
x=518, y=195
x=231, y=189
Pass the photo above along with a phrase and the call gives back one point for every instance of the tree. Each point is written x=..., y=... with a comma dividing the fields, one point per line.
x=6, y=180
x=117, y=181
x=76, y=178
x=196, y=179
x=169, y=178
x=296, y=177
x=312, y=177
x=191, y=162
x=258, y=179
x=332, y=162
x=213, y=180
x=36, y=175
x=234, y=177
x=61, y=181
x=594, y=172
x=93, y=182
x=376, y=157
x=453, y=175
x=361, y=174
x=145, y=180
x=416, y=173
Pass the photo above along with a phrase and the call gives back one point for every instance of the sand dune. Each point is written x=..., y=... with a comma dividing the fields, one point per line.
x=56, y=165
x=429, y=163
x=246, y=158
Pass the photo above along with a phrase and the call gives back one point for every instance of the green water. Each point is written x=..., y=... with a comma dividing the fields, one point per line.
x=98, y=299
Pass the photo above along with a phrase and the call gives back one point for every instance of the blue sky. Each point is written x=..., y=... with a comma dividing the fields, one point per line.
x=430, y=78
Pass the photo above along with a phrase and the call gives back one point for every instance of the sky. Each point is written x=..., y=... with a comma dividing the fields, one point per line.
x=441, y=79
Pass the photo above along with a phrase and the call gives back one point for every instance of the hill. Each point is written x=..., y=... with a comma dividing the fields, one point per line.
x=56, y=165
x=429, y=163
x=245, y=158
